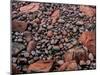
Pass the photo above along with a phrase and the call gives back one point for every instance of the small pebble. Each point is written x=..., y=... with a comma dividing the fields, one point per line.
x=60, y=62
x=50, y=27
x=88, y=62
x=79, y=22
x=91, y=57
x=82, y=62
x=49, y=33
x=20, y=40
x=26, y=54
x=61, y=21
x=56, y=48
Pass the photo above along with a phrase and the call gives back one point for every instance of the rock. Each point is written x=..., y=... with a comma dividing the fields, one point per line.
x=88, y=40
x=24, y=68
x=22, y=61
x=80, y=23
x=52, y=41
x=26, y=54
x=62, y=40
x=16, y=33
x=61, y=45
x=64, y=33
x=88, y=11
x=15, y=70
x=31, y=61
x=14, y=60
x=49, y=47
x=15, y=51
x=41, y=66
x=80, y=54
x=49, y=33
x=76, y=54
x=91, y=57
x=81, y=14
x=60, y=62
x=37, y=20
x=50, y=27
x=30, y=8
x=49, y=57
x=66, y=40
x=61, y=21
x=72, y=66
x=75, y=30
x=44, y=26
x=19, y=26
x=18, y=45
x=28, y=36
x=16, y=48
x=36, y=58
x=55, y=15
x=33, y=53
x=63, y=66
x=31, y=45
x=68, y=56
x=82, y=62
x=88, y=62
x=20, y=40
x=56, y=48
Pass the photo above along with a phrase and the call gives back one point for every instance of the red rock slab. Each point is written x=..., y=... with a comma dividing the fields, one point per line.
x=19, y=26
x=88, y=39
x=69, y=65
x=88, y=11
x=55, y=15
x=41, y=66
x=30, y=8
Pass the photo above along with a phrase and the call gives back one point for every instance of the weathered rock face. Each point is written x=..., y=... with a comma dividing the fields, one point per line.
x=19, y=26
x=88, y=40
x=30, y=8
x=41, y=66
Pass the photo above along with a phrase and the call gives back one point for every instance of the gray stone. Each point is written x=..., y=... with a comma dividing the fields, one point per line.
x=33, y=52
x=14, y=60
x=16, y=33
x=26, y=54
x=50, y=27
x=79, y=22
x=52, y=41
x=56, y=48
x=20, y=40
x=49, y=47
x=61, y=21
